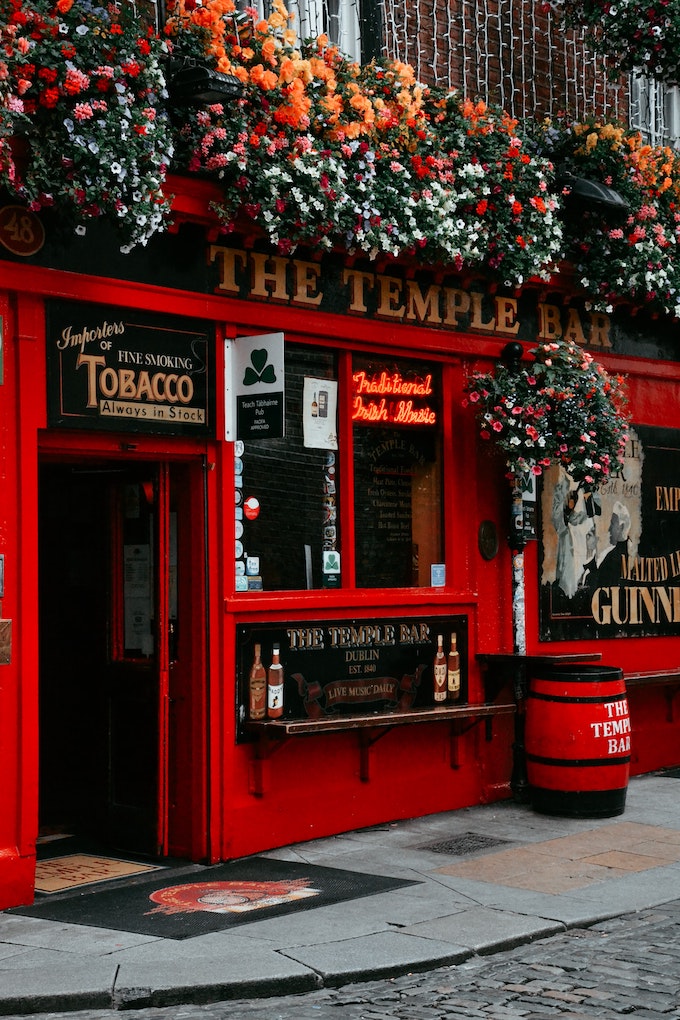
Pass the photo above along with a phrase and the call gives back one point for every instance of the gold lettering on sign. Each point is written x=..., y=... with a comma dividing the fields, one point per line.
x=127, y=384
x=506, y=311
x=301, y=282
x=269, y=276
x=69, y=338
x=424, y=308
x=457, y=303
x=307, y=283
x=668, y=497
x=389, y=296
x=477, y=322
x=358, y=283
x=549, y=322
x=635, y=606
x=305, y=637
x=226, y=259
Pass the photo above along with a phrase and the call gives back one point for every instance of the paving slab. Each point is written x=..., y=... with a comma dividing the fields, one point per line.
x=482, y=929
x=74, y=985
x=257, y=973
x=377, y=956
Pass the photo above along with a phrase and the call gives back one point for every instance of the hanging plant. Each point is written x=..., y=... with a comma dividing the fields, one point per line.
x=633, y=255
x=561, y=408
x=324, y=152
x=642, y=35
x=83, y=85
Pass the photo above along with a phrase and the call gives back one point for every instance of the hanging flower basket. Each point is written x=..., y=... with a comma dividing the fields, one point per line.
x=641, y=35
x=561, y=408
x=83, y=87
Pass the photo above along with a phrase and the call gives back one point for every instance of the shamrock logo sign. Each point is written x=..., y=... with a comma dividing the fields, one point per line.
x=259, y=370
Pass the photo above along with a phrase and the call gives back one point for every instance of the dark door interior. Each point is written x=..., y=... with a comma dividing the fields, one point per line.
x=108, y=591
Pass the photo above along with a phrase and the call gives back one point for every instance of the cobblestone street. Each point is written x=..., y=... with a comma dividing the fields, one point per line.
x=628, y=966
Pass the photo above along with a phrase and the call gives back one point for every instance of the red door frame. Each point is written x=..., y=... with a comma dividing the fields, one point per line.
x=195, y=811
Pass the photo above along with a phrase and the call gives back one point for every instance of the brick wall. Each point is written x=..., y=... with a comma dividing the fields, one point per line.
x=508, y=52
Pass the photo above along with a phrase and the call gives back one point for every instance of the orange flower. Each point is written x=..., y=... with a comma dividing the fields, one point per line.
x=266, y=80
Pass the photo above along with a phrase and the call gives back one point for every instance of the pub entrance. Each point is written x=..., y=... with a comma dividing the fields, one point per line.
x=121, y=654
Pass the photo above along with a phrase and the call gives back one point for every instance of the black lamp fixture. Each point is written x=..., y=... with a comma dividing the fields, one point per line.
x=584, y=195
x=196, y=85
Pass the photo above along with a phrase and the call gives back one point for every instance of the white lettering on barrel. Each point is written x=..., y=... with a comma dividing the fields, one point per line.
x=614, y=729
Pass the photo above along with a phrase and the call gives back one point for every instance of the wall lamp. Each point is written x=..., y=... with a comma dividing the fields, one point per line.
x=195, y=85
x=583, y=195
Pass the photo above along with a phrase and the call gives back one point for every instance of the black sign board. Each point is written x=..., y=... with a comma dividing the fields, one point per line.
x=124, y=370
x=259, y=417
x=611, y=561
x=345, y=667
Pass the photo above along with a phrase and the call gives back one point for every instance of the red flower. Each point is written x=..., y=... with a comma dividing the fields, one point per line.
x=49, y=98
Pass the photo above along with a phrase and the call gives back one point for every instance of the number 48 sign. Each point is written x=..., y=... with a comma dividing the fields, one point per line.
x=21, y=232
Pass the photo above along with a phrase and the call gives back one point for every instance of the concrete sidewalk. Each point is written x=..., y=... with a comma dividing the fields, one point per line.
x=489, y=878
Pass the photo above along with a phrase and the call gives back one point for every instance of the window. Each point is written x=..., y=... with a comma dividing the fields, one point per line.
x=397, y=483
x=338, y=19
x=655, y=110
x=289, y=491
x=287, y=512
x=151, y=13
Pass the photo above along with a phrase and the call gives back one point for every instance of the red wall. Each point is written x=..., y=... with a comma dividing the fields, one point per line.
x=308, y=786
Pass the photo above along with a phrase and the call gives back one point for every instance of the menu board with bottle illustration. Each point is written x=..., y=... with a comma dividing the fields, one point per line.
x=346, y=667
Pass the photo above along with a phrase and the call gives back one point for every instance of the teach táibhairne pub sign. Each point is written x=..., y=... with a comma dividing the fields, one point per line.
x=343, y=667
x=610, y=561
x=125, y=370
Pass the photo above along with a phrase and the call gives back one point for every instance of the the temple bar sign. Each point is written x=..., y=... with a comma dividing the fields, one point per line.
x=124, y=370
x=423, y=299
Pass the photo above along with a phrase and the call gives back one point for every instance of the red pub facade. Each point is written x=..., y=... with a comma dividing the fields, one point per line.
x=210, y=449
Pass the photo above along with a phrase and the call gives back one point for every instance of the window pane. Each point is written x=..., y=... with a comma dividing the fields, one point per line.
x=295, y=485
x=397, y=472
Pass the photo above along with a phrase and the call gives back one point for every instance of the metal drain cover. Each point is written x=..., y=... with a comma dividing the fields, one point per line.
x=465, y=843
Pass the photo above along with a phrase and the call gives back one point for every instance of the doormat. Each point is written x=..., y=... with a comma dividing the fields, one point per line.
x=56, y=874
x=215, y=898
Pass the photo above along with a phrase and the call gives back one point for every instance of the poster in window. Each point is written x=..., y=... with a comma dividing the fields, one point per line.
x=319, y=414
x=610, y=560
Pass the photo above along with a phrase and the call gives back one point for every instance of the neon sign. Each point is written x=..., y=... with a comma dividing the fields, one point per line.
x=389, y=398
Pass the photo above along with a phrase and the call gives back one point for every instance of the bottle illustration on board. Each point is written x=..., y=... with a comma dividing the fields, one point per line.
x=453, y=671
x=440, y=671
x=257, y=687
x=275, y=686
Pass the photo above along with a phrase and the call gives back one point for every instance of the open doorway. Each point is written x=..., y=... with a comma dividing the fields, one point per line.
x=122, y=655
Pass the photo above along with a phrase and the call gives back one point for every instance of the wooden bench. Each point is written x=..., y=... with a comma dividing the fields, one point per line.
x=271, y=734
x=668, y=679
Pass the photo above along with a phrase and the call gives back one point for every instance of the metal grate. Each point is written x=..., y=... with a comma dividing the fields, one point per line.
x=464, y=844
